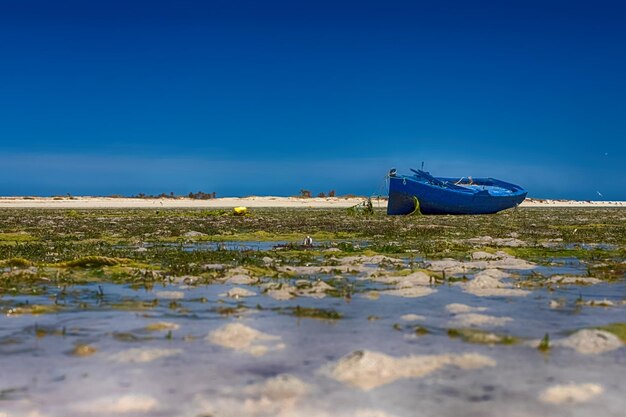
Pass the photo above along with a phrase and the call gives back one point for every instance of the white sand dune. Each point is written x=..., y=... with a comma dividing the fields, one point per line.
x=227, y=202
x=86, y=202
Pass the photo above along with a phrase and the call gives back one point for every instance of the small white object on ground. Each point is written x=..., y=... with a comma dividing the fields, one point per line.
x=238, y=292
x=193, y=233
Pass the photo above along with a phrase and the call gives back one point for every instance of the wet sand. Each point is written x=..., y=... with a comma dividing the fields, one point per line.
x=136, y=313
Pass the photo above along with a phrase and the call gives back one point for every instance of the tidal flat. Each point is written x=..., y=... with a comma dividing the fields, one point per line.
x=196, y=312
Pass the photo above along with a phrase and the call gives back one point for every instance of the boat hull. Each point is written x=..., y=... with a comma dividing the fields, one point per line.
x=435, y=199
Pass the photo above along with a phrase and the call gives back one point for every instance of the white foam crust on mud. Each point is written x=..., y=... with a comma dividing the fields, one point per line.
x=162, y=325
x=481, y=261
x=489, y=272
x=590, y=342
x=143, y=355
x=485, y=285
x=458, y=308
x=240, y=276
x=410, y=292
x=170, y=295
x=573, y=280
x=412, y=317
x=125, y=404
x=415, y=284
x=476, y=319
x=570, y=393
x=279, y=396
x=239, y=337
x=366, y=370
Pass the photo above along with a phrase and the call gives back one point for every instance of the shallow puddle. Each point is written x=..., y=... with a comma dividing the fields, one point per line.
x=179, y=350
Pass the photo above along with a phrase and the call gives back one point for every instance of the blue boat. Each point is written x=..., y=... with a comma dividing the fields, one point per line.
x=426, y=194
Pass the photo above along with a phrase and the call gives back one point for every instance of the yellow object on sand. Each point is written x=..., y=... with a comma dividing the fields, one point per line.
x=240, y=211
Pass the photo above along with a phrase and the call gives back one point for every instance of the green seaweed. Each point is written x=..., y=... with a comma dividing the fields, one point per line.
x=34, y=309
x=134, y=305
x=315, y=313
x=482, y=337
x=92, y=262
x=16, y=263
x=16, y=237
x=63, y=239
x=128, y=337
x=544, y=345
x=618, y=329
x=421, y=331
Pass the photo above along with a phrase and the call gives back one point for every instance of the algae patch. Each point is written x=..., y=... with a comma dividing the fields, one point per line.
x=316, y=313
x=481, y=337
x=618, y=329
x=82, y=350
x=93, y=262
x=16, y=237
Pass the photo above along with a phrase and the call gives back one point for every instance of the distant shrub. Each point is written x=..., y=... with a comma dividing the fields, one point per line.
x=202, y=195
x=366, y=208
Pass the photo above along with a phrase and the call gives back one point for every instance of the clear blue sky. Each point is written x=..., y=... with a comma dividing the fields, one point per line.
x=266, y=97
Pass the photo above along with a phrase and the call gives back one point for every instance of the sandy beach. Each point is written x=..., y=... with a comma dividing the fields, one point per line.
x=86, y=202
